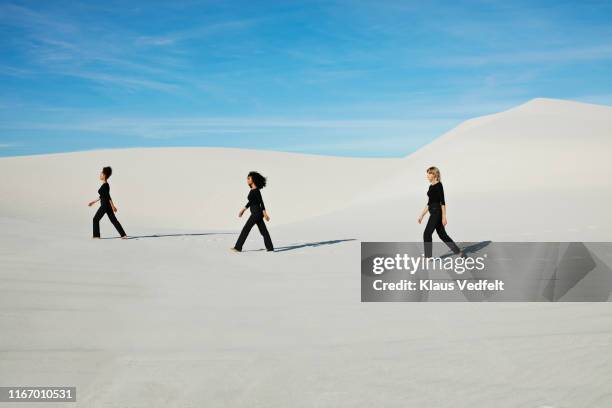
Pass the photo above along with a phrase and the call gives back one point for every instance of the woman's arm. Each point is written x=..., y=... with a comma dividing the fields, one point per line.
x=93, y=202
x=444, y=215
x=243, y=209
x=423, y=214
x=263, y=206
x=113, y=205
x=442, y=204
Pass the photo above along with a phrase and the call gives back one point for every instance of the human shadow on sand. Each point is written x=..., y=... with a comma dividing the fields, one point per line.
x=311, y=244
x=171, y=235
x=469, y=249
x=304, y=245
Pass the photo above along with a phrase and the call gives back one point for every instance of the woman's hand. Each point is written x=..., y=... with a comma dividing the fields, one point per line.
x=91, y=203
x=241, y=212
x=420, y=220
x=114, y=209
x=444, y=222
x=267, y=217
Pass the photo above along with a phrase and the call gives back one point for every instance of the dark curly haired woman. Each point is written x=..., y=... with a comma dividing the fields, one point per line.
x=258, y=212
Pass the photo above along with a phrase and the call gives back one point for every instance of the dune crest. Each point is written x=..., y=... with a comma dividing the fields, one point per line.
x=551, y=155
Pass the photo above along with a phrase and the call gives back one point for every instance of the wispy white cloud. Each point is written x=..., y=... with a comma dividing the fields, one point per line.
x=206, y=30
x=565, y=55
x=23, y=17
x=397, y=144
x=59, y=46
x=157, y=128
x=15, y=71
x=122, y=80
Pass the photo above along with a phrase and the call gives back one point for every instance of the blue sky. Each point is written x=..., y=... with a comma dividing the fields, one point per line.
x=352, y=78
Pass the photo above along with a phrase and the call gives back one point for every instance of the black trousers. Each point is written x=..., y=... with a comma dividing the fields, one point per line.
x=261, y=224
x=104, y=209
x=435, y=224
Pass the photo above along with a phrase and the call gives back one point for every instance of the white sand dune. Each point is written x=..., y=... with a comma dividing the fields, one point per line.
x=173, y=319
x=538, y=172
x=183, y=187
x=543, y=164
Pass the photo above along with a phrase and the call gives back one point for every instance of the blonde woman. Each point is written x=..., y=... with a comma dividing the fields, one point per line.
x=436, y=206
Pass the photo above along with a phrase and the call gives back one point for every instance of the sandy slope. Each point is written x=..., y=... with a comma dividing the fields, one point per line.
x=543, y=165
x=183, y=187
x=519, y=175
x=172, y=319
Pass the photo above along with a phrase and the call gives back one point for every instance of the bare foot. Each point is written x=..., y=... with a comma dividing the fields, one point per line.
x=234, y=250
x=125, y=237
x=95, y=237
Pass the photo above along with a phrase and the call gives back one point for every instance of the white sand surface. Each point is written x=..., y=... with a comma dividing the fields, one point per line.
x=171, y=318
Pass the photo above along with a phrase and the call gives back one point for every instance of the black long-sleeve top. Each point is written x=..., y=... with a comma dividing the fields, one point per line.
x=255, y=199
x=436, y=194
x=104, y=192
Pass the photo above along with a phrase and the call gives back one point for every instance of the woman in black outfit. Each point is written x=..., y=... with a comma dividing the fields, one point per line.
x=258, y=212
x=436, y=206
x=106, y=206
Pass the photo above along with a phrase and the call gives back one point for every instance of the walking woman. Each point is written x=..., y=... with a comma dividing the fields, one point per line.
x=436, y=206
x=106, y=206
x=258, y=212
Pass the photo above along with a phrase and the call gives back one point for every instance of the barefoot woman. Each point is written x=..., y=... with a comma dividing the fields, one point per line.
x=106, y=206
x=436, y=206
x=258, y=212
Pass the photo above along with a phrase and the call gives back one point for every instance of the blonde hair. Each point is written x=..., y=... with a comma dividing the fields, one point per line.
x=435, y=171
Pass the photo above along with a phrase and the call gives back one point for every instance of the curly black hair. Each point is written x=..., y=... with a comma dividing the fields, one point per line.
x=258, y=179
x=107, y=171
